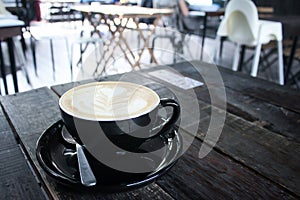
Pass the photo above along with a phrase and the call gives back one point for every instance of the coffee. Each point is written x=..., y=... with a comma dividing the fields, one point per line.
x=109, y=101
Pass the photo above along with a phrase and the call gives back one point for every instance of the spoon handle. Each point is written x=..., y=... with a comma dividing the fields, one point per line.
x=86, y=174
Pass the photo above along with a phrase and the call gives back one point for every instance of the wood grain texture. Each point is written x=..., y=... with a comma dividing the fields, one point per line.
x=248, y=162
x=232, y=144
x=265, y=114
x=273, y=106
x=273, y=93
x=271, y=155
x=25, y=108
x=216, y=177
x=7, y=139
x=16, y=179
x=4, y=126
x=281, y=116
x=261, y=150
x=44, y=111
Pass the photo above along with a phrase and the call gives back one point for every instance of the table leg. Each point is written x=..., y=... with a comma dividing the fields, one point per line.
x=124, y=41
x=118, y=40
x=3, y=74
x=113, y=42
x=146, y=40
x=32, y=45
x=10, y=45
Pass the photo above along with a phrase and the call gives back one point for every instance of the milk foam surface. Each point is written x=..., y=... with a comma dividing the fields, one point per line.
x=109, y=101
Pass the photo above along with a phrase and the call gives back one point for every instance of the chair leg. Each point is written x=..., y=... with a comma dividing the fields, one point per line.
x=236, y=58
x=10, y=45
x=52, y=58
x=173, y=38
x=71, y=60
x=26, y=75
x=280, y=63
x=254, y=69
x=32, y=44
x=2, y=68
x=216, y=49
x=242, y=56
x=221, y=46
x=68, y=54
x=23, y=43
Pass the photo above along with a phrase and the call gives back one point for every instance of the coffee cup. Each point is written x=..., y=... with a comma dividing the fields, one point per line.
x=125, y=113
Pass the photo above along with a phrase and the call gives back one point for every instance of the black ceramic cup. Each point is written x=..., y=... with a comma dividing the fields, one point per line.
x=121, y=113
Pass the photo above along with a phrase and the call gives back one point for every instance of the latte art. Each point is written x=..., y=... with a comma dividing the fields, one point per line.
x=107, y=101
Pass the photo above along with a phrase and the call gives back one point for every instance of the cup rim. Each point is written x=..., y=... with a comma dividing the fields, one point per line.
x=108, y=119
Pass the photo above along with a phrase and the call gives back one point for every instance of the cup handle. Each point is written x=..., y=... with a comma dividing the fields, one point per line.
x=175, y=115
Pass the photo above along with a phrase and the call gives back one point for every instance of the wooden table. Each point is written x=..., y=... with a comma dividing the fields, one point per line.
x=117, y=18
x=256, y=156
x=9, y=28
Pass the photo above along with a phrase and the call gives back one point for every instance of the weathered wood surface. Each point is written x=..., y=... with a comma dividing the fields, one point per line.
x=270, y=105
x=248, y=162
x=259, y=149
x=264, y=114
x=7, y=140
x=243, y=176
x=258, y=88
x=216, y=177
x=16, y=179
x=254, y=146
x=239, y=138
x=41, y=108
x=268, y=168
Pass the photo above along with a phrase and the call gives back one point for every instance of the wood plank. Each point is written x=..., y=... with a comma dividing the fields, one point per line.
x=23, y=107
x=242, y=103
x=272, y=117
x=271, y=155
x=216, y=177
x=44, y=111
x=278, y=95
x=4, y=126
x=264, y=114
x=239, y=137
x=7, y=139
x=17, y=181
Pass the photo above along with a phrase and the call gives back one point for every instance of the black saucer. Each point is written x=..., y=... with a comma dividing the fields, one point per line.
x=59, y=160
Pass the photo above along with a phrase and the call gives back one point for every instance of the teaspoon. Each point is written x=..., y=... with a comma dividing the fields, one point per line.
x=87, y=176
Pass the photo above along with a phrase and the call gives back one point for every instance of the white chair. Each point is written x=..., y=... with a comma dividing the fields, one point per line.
x=242, y=26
